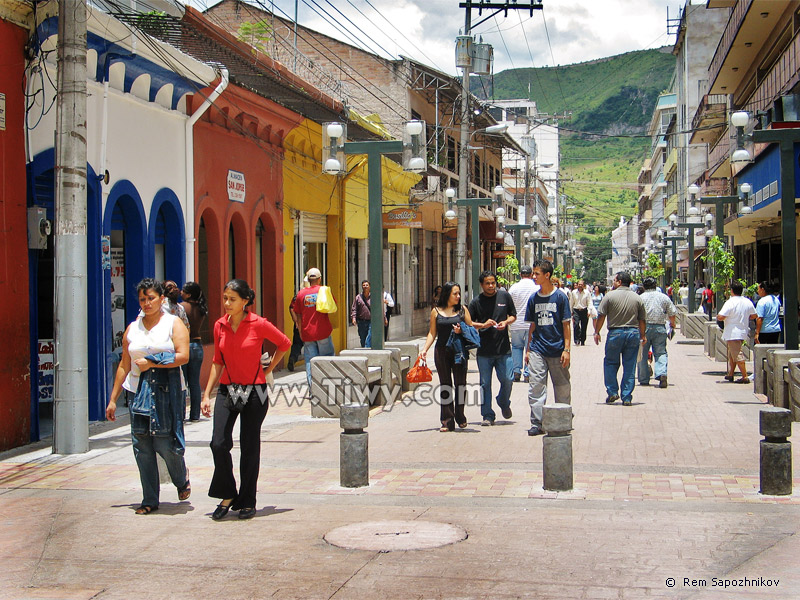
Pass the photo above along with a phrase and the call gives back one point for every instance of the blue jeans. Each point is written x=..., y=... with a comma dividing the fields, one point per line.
x=657, y=339
x=318, y=348
x=191, y=372
x=518, y=339
x=503, y=366
x=621, y=343
x=171, y=449
x=364, y=333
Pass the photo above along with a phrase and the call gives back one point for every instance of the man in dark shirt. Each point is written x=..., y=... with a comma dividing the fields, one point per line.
x=491, y=314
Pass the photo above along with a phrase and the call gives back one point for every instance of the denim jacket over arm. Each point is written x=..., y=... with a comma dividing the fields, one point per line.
x=167, y=407
x=463, y=342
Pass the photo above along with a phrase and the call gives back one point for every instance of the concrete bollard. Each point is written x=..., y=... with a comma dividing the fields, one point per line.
x=775, y=472
x=353, y=445
x=557, y=447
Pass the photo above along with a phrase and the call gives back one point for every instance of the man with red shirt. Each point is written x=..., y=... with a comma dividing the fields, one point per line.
x=315, y=327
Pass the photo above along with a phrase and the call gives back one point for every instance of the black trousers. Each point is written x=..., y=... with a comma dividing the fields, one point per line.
x=581, y=322
x=452, y=386
x=223, y=483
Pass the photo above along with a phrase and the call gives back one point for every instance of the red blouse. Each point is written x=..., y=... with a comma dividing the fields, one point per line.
x=242, y=349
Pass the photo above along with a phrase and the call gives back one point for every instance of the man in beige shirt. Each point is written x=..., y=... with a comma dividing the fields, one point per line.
x=627, y=324
x=579, y=301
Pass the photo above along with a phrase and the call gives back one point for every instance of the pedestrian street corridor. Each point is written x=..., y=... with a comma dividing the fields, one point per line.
x=665, y=504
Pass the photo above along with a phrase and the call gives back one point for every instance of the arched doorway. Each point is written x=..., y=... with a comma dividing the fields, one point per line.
x=167, y=238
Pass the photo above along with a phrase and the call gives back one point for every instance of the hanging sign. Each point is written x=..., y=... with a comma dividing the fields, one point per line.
x=502, y=253
x=236, y=187
x=402, y=218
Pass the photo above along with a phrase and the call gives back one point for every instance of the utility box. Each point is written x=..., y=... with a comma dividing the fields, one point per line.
x=482, y=57
x=38, y=228
x=464, y=51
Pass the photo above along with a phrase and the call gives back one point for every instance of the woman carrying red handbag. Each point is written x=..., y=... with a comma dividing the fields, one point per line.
x=446, y=317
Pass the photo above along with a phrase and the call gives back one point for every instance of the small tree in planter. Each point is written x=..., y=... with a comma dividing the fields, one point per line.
x=722, y=260
x=508, y=274
x=653, y=267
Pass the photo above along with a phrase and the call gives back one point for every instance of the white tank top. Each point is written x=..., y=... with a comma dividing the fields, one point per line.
x=143, y=341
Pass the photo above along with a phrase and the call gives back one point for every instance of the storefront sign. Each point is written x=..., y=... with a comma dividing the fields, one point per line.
x=502, y=253
x=236, y=187
x=402, y=218
x=117, y=296
x=2, y=112
x=46, y=372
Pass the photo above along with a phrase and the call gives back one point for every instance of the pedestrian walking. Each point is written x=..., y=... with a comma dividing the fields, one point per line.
x=768, y=311
x=447, y=317
x=658, y=310
x=388, y=309
x=492, y=312
x=315, y=327
x=736, y=313
x=196, y=308
x=683, y=294
x=580, y=299
x=361, y=315
x=297, y=342
x=597, y=296
x=154, y=346
x=520, y=294
x=707, y=300
x=549, y=333
x=238, y=339
x=624, y=310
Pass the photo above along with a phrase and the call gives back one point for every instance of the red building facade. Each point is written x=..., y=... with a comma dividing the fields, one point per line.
x=16, y=367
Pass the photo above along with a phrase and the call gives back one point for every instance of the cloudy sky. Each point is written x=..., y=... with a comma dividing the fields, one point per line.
x=564, y=32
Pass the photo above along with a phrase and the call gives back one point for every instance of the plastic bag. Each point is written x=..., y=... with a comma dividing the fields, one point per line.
x=419, y=373
x=325, y=301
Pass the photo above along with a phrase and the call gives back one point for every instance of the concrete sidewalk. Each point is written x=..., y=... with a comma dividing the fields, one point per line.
x=666, y=489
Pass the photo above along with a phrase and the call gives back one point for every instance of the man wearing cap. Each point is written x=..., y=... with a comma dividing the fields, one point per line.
x=520, y=293
x=315, y=327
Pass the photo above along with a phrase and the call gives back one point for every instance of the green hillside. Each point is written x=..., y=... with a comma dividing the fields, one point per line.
x=603, y=109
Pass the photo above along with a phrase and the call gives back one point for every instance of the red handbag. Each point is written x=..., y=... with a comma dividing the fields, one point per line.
x=419, y=373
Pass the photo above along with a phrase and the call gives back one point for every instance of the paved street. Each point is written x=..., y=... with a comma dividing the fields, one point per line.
x=666, y=488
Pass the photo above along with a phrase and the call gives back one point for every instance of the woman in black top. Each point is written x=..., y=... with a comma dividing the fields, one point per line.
x=446, y=317
x=194, y=303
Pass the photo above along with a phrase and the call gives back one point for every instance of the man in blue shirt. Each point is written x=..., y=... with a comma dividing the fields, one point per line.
x=768, y=311
x=549, y=346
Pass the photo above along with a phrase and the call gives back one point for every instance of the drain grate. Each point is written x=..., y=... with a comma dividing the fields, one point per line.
x=392, y=536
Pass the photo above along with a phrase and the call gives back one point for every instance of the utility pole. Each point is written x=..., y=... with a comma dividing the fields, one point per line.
x=463, y=152
x=71, y=408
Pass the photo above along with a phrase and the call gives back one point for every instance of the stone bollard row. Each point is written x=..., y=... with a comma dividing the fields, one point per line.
x=775, y=468
x=353, y=445
x=557, y=448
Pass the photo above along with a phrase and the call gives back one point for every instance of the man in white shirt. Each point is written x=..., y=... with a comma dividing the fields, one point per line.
x=736, y=313
x=580, y=299
x=388, y=309
x=520, y=293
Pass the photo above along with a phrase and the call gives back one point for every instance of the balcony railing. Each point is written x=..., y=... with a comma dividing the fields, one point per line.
x=728, y=36
x=779, y=79
x=712, y=111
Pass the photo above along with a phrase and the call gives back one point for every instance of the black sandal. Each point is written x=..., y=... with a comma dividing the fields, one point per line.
x=145, y=509
x=185, y=491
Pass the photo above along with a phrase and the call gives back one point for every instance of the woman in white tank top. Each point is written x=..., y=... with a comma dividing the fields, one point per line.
x=154, y=346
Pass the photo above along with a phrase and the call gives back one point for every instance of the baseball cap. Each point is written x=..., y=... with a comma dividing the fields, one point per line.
x=314, y=273
x=525, y=270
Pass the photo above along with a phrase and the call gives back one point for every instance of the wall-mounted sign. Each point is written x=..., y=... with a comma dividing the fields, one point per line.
x=502, y=253
x=402, y=218
x=2, y=112
x=236, y=187
x=46, y=373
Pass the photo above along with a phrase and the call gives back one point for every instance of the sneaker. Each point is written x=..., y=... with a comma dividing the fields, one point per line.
x=612, y=398
x=535, y=430
x=662, y=382
x=507, y=412
x=487, y=423
x=626, y=402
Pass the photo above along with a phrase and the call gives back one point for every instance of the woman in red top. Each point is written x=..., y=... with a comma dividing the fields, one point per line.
x=238, y=339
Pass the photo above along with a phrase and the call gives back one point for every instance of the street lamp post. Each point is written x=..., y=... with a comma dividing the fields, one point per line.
x=412, y=148
x=518, y=229
x=718, y=202
x=473, y=205
x=690, y=235
x=673, y=238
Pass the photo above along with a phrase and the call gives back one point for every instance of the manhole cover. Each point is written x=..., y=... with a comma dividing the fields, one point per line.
x=389, y=536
